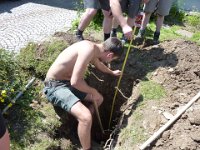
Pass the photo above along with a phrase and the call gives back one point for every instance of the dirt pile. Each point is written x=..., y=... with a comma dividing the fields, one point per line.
x=175, y=65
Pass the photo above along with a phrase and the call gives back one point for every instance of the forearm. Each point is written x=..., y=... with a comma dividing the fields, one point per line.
x=117, y=12
x=81, y=85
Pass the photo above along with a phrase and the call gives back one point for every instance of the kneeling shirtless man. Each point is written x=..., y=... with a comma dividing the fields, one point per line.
x=65, y=85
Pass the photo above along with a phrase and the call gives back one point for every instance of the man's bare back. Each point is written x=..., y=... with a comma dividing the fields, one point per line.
x=63, y=66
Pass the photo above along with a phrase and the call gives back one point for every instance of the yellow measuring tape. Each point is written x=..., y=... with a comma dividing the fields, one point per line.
x=118, y=83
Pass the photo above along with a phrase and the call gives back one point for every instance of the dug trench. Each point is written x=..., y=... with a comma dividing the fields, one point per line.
x=172, y=64
x=137, y=67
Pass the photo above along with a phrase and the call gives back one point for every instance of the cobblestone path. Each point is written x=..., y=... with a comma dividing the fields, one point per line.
x=32, y=21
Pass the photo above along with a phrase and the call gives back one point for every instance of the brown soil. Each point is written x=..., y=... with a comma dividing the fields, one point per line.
x=175, y=65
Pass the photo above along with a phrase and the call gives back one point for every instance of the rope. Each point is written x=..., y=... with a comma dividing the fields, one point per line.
x=118, y=83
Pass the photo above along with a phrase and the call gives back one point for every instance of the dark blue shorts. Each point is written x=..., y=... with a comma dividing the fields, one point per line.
x=61, y=93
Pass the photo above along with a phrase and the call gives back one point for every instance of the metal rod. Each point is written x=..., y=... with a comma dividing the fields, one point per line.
x=18, y=95
x=172, y=120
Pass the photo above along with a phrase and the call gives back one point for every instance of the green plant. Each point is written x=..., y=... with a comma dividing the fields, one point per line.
x=38, y=58
x=176, y=15
x=151, y=90
x=196, y=37
x=193, y=20
x=10, y=76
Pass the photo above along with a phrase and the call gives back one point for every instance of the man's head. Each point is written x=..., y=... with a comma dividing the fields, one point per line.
x=114, y=45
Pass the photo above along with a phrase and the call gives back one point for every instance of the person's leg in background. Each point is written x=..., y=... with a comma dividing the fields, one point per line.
x=107, y=21
x=115, y=25
x=149, y=8
x=164, y=7
x=91, y=10
x=133, y=8
x=107, y=24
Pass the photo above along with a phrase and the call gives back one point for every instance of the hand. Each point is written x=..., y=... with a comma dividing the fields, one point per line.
x=117, y=72
x=127, y=30
x=96, y=96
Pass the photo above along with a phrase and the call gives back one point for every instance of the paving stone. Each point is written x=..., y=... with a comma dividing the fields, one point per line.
x=22, y=22
x=184, y=33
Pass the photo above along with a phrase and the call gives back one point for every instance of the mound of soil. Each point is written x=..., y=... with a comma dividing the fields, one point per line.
x=175, y=65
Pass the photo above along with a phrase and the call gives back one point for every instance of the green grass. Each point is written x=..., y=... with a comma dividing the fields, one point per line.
x=151, y=90
x=193, y=21
x=168, y=33
x=196, y=38
x=38, y=59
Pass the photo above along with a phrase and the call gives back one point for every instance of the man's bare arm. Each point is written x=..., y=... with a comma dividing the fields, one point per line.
x=77, y=78
x=102, y=67
x=117, y=13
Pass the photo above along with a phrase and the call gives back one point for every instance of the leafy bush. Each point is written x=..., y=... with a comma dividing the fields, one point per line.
x=176, y=16
x=9, y=75
x=37, y=58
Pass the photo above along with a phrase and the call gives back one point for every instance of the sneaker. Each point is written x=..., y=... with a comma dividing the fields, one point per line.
x=140, y=34
x=79, y=37
x=156, y=38
x=113, y=34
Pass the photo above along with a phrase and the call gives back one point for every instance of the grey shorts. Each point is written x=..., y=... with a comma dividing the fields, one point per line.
x=97, y=4
x=161, y=7
x=61, y=93
x=130, y=7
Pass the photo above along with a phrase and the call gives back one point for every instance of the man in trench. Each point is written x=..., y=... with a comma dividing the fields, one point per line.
x=65, y=85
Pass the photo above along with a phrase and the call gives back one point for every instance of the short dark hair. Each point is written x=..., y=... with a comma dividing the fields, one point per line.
x=114, y=45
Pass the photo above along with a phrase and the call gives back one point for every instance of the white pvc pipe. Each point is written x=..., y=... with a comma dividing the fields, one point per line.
x=173, y=119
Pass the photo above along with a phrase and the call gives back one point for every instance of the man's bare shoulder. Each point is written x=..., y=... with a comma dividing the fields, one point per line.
x=86, y=45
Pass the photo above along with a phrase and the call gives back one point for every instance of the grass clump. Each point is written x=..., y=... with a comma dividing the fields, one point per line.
x=151, y=90
x=196, y=37
x=38, y=58
x=193, y=20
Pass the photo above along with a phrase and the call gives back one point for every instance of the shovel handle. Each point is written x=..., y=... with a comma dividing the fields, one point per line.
x=98, y=116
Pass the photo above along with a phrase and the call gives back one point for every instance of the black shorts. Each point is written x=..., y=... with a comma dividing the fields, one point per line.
x=2, y=126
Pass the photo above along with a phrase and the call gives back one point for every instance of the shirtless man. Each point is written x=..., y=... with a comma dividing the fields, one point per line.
x=65, y=85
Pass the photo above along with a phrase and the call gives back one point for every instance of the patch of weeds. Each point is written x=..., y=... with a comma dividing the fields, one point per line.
x=75, y=24
x=193, y=20
x=151, y=90
x=133, y=133
x=44, y=144
x=176, y=15
x=37, y=58
x=196, y=37
x=166, y=33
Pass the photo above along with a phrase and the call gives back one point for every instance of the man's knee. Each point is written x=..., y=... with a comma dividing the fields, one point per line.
x=107, y=14
x=91, y=11
x=100, y=101
x=86, y=118
x=147, y=14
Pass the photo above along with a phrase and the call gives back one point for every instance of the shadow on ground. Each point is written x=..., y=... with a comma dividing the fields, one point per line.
x=8, y=5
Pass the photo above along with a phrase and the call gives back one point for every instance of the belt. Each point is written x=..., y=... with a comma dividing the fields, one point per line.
x=55, y=83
